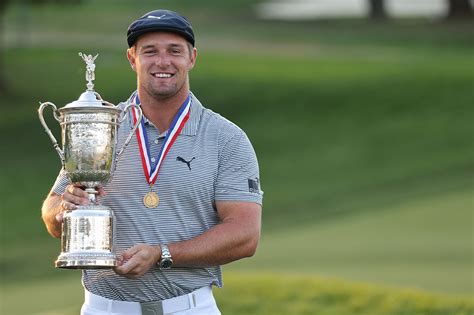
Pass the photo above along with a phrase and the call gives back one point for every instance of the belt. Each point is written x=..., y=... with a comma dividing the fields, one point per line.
x=176, y=304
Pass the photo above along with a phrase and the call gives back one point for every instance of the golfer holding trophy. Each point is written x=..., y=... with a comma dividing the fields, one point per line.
x=179, y=198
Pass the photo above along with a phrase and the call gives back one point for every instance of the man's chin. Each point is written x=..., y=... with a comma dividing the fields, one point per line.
x=164, y=92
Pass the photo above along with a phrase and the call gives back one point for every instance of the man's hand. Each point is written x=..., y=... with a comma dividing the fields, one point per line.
x=73, y=196
x=136, y=261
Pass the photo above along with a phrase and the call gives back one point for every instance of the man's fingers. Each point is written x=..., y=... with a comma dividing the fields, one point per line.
x=129, y=253
x=59, y=217
x=101, y=191
x=75, y=199
x=135, y=261
x=77, y=191
x=126, y=267
x=74, y=195
x=66, y=205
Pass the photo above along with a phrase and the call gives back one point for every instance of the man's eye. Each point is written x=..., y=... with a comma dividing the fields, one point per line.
x=149, y=52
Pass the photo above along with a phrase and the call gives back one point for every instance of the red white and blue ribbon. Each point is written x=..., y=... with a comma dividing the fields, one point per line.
x=180, y=119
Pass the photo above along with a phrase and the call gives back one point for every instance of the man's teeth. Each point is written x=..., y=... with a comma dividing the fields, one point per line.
x=162, y=75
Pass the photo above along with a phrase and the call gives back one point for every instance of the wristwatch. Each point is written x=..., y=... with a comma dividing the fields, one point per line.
x=165, y=261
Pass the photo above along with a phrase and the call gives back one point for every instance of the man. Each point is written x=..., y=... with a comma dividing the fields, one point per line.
x=185, y=192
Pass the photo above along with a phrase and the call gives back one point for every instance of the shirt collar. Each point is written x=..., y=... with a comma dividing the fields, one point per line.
x=191, y=126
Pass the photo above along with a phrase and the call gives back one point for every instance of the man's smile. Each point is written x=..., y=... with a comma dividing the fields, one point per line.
x=162, y=75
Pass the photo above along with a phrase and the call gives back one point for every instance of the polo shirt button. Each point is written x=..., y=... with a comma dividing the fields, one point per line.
x=153, y=159
x=156, y=141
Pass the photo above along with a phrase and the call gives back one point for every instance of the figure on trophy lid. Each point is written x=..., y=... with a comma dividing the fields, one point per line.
x=90, y=68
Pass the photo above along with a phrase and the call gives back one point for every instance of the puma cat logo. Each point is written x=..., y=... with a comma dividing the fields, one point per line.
x=188, y=163
x=156, y=17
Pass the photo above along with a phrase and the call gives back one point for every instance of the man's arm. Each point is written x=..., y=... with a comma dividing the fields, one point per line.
x=50, y=210
x=235, y=237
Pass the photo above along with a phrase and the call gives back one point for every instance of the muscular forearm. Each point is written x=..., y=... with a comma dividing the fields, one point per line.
x=217, y=246
x=51, y=208
x=234, y=238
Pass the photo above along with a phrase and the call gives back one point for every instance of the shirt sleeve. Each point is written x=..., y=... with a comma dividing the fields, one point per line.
x=238, y=176
x=61, y=182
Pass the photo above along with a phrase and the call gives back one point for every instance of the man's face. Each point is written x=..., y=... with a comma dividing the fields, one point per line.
x=162, y=61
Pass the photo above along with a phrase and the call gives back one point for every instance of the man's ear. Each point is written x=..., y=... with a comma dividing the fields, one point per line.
x=193, y=58
x=131, y=57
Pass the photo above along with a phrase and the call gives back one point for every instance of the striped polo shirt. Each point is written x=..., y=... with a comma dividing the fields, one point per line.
x=212, y=159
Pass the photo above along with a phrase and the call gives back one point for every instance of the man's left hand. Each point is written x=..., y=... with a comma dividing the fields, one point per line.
x=137, y=260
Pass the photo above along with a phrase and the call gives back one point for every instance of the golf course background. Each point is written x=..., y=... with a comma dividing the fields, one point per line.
x=364, y=134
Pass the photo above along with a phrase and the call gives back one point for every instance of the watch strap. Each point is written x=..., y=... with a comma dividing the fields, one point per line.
x=165, y=261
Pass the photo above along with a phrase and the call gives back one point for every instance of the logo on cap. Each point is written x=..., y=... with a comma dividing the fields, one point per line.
x=156, y=17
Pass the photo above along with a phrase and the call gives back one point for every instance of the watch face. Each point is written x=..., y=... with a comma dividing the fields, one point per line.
x=166, y=263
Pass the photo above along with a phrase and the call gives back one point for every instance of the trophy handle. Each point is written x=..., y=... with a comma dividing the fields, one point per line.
x=135, y=126
x=48, y=131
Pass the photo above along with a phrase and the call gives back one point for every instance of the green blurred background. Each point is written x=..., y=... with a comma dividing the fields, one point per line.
x=363, y=129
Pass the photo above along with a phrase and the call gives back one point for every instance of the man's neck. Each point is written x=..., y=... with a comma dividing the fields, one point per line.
x=161, y=111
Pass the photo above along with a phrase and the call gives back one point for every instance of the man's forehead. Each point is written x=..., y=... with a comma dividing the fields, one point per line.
x=160, y=38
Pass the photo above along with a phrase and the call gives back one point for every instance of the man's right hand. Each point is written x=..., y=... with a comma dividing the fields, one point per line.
x=54, y=205
x=73, y=196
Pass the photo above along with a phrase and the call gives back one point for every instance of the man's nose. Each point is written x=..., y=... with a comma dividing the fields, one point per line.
x=162, y=60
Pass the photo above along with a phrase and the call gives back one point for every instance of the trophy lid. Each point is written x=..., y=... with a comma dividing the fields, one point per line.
x=89, y=98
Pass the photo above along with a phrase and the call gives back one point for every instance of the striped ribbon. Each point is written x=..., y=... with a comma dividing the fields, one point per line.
x=180, y=119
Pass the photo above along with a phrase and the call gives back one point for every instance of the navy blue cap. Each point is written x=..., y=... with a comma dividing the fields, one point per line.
x=160, y=20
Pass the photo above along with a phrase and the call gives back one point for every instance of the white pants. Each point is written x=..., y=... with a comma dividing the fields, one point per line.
x=199, y=302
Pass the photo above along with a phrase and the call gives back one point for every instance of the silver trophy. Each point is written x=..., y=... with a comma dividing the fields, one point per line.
x=88, y=155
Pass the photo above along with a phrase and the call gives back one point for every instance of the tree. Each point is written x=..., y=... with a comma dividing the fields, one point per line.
x=459, y=9
x=3, y=80
x=377, y=9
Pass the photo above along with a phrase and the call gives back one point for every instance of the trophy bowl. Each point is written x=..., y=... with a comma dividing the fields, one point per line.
x=88, y=155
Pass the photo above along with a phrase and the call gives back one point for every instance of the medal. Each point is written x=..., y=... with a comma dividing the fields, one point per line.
x=151, y=200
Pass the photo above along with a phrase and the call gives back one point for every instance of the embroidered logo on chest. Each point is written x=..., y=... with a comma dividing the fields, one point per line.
x=188, y=163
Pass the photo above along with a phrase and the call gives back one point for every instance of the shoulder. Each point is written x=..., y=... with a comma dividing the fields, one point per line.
x=122, y=105
x=215, y=123
x=223, y=131
x=222, y=125
x=230, y=140
x=128, y=101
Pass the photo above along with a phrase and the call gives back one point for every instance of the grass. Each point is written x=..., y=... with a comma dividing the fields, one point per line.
x=411, y=245
x=267, y=294
x=262, y=294
x=364, y=136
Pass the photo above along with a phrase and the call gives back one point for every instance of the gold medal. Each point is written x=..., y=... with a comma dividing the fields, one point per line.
x=151, y=200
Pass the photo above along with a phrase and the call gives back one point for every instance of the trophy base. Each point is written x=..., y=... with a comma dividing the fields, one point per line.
x=86, y=261
x=87, y=237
